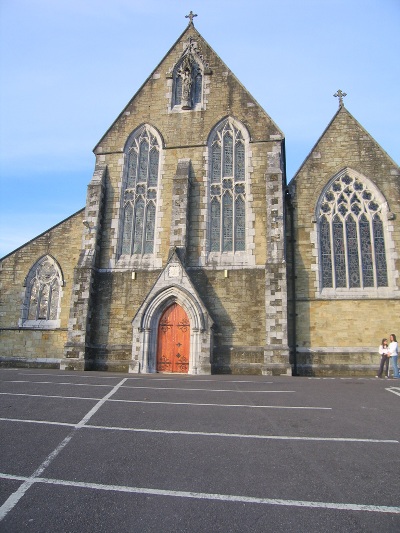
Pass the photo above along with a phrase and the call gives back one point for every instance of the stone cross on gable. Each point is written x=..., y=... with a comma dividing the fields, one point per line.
x=190, y=17
x=339, y=94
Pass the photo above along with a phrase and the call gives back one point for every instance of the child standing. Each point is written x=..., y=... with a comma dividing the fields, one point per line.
x=384, y=350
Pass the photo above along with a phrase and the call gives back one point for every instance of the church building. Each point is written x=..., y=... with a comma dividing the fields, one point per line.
x=194, y=255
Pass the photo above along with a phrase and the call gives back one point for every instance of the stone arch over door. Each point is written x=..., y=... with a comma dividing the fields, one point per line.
x=145, y=331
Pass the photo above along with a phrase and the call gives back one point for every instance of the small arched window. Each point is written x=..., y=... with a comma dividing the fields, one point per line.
x=187, y=83
x=140, y=194
x=43, y=293
x=227, y=189
x=351, y=236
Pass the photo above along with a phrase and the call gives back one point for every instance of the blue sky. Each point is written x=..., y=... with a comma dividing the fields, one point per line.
x=68, y=68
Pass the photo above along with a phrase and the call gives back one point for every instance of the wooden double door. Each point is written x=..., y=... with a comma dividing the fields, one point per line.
x=173, y=340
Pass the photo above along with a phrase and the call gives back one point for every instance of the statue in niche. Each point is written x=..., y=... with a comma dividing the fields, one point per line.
x=185, y=72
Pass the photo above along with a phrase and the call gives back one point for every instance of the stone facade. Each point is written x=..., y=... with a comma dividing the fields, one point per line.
x=338, y=331
x=38, y=345
x=191, y=144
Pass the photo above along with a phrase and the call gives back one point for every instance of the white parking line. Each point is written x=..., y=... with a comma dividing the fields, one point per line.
x=143, y=387
x=48, y=396
x=206, y=433
x=205, y=390
x=228, y=405
x=172, y=403
x=155, y=377
x=54, y=383
x=14, y=498
x=211, y=496
x=88, y=376
x=37, y=422
x=395, y=390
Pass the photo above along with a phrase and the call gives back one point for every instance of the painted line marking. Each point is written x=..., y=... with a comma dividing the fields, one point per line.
x=173, y=403
x=14, y=498
x=141, y=387
x=205, y=390
x=55, y=383
x=48, y=422
x=227, y=405
x=48, y=396
x=66, y=375
x=211, y=496
x=395, y=390
x=145, y=377
x=206, y=433
x=243, y=436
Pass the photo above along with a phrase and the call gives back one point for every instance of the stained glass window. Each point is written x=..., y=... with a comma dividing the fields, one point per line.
x=140, y=194
x=198, y=85
x=149, y=230
x=228, y=155
x=228, y=189
x=215, y=224
x=178, y=90
x=352, y=252
x=43, y=291
x=239, y=161
x=127, y=233
x=366, y=252
x=338, y=252
x=380, y=256
x=240, y=229
x=326, y=255
x=351, y=236
x=216, y=162
x=227, y=222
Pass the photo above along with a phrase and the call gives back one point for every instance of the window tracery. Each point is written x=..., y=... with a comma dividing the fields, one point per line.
x=140, y=194
x=351, y=236
x=227, y=189
x=43, y=292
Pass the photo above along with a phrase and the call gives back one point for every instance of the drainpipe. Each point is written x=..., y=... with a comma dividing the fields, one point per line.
x=293, y=279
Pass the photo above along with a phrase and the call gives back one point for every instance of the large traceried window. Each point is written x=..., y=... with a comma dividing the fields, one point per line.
x=43, y=292
x=140, y=194
x=227, y=189
x=351, y=235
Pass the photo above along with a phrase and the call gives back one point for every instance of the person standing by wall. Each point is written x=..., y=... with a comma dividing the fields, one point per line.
x=383, y=350
x=394, y=354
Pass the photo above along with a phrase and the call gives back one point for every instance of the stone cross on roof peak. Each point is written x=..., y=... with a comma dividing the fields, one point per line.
x=190, y=17
x=340, y=94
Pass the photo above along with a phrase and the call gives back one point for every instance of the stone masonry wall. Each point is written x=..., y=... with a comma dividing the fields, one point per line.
x=329, y=327
x=185, y=136
x=37, y=346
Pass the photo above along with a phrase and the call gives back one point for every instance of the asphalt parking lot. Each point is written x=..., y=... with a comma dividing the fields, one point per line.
x=102, y=452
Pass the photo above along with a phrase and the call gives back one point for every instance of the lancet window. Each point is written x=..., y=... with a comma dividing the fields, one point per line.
x=351, y=236
x=43, y=291
x=140, y=194
x=227, y=189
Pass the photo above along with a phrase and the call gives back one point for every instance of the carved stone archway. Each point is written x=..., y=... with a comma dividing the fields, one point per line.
x=145, y=326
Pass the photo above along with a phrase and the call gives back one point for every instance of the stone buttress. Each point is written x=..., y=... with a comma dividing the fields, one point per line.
x=77, y=347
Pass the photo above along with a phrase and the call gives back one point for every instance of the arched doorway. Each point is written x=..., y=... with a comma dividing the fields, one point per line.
x=173, y=340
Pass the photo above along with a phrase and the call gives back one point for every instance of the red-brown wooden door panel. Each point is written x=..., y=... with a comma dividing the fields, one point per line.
x=173, y=341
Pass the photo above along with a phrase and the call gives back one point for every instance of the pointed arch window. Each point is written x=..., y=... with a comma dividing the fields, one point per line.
x=227, y=189
x=140, y=194
x=187, y=83
x=351, y=236
x=43, y=292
